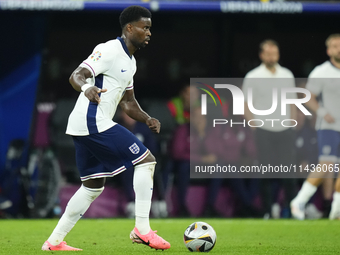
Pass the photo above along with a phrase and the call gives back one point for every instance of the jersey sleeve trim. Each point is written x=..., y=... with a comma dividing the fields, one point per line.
x=129, y=88
x=94, y=73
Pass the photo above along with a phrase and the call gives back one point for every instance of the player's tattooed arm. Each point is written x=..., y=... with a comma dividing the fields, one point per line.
x=78, y=82
x=131, y=107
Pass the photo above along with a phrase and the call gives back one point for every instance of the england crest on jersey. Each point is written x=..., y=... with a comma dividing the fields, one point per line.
x=134, y=148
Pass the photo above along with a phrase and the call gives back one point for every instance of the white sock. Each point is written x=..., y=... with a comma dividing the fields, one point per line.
x=306, y=192
x=336, y=197
x=76, y=207
x=143, y=187
x=334, y=213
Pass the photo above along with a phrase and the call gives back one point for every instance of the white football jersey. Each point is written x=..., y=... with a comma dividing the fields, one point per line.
x=262, y=94
x=324, y=81
x=112, y=68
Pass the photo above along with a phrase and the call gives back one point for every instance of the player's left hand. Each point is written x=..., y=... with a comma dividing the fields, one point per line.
x=154, y=125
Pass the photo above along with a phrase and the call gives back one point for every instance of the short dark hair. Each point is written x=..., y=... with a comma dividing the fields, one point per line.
x=329, y=38
x=133, y=13
x=268, y=41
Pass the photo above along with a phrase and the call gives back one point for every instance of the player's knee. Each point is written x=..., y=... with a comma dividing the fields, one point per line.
x=94, y=183
x=150, y=158
x=148, y=164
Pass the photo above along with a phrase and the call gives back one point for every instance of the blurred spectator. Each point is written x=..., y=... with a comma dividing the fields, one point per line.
x=145, y=135
x=62, y=144
x=202, y=141
x=170, y=113
x=275, y=142
x=4, y=202
x=43, y=165
x=179, y=106
x=14, y=181
x=238, y=147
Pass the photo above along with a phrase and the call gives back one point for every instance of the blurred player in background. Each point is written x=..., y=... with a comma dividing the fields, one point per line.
x=269, y=136
x=103, y=147
x=323, y=83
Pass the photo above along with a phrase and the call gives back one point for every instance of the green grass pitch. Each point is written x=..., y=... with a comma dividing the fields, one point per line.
x=111, y=236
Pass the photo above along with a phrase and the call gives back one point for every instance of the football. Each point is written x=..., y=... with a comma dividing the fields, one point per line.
x=199, y=237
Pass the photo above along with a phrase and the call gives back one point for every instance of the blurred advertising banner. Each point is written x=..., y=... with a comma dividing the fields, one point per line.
x=278, y=7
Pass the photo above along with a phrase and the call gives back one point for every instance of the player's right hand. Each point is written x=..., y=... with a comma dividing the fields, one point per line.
x=329, y=118
x=154, y=125
x=92, y=93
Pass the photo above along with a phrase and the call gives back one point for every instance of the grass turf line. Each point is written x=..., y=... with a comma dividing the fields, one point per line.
x=111, y=236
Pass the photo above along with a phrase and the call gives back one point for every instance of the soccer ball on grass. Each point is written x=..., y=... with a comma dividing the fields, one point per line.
x=199, y=237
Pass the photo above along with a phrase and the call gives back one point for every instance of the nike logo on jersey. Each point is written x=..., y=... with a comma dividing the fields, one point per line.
x=123, y=70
